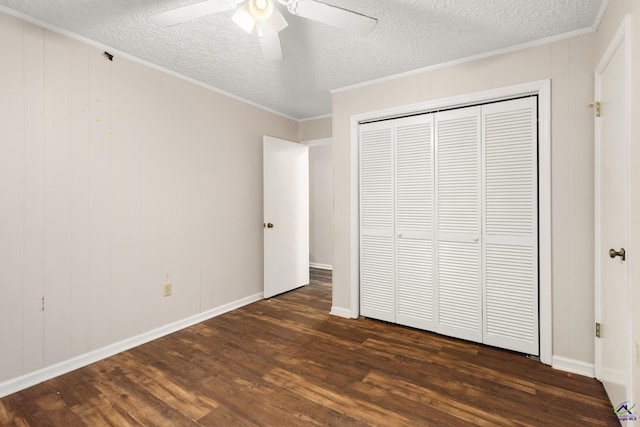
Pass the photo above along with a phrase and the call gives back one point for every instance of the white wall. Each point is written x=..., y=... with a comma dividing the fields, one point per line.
x=316, y=128
x=610, y=23
x=116, y=178
x=569, y=63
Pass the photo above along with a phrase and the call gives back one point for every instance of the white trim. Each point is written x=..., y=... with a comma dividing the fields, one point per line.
x=574, y=366
x=467, y=59
x=340, y=312
x=117, y=53
x=321, y=266
x=600, y=15
x=543, y=89
x=317, y=142
x=621, y=39
x=354, y=223
x=545, y=252
x=20, y=383
x=308, y=119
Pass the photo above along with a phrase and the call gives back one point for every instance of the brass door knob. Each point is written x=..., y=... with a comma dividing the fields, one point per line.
x=621, y=253
x=268, y=225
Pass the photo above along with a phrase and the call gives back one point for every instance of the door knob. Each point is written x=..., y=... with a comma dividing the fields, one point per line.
x=613, y=253
x=269, y=225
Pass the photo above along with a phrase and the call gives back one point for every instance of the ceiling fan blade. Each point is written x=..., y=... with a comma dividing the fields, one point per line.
x=275, y=23
x=271, y=49
x=333, y=15
x=244, y=19
x=193, y=11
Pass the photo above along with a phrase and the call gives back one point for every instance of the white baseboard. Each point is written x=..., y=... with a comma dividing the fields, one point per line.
x=321, y=266
x=32, y=378
x=574, y=366
x=340, y=312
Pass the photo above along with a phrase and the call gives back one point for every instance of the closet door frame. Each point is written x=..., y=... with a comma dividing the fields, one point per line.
x=542, y=89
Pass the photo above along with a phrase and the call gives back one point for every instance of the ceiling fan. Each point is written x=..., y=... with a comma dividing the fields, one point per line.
x=268, y=20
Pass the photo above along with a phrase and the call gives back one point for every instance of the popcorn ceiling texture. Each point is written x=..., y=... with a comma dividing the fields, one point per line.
x=410, y=34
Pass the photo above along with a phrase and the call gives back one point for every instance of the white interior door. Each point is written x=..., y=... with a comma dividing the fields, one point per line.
x=286, y=215
x=612, y=223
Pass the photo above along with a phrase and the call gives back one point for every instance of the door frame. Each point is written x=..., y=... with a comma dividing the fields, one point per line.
x=619, y=41
x=541, y=88
x=318, y=143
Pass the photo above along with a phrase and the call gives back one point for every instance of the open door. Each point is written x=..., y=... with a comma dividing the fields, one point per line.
x=286, y=215
x=612, y=293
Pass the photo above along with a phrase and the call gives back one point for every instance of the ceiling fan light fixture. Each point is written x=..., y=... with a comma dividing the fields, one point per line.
x=261, y=9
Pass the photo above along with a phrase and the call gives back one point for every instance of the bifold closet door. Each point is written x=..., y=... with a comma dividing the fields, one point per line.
x=510, y=237
x=396, y=221
x=458, y=248
x=449, y=223
x=377, y=258
x=414, y=221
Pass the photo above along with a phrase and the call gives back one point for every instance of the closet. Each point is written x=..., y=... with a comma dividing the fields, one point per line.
x=449, y=222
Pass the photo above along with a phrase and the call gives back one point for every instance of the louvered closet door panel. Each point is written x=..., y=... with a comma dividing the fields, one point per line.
x=414, y=221
x=511, y=235
x=377, y=288
x=459, y=290
x=377, y=291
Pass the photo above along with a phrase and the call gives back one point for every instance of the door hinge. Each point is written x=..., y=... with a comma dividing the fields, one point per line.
x=596, y=106
x=597, y=330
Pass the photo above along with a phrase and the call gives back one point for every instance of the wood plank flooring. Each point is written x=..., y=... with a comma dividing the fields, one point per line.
x=287, y=362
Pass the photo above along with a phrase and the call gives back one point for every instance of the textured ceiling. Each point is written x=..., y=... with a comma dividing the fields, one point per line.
x=410, y=34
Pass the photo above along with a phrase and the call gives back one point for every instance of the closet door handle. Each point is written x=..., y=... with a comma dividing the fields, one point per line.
x=476, y=237
x=621, y=253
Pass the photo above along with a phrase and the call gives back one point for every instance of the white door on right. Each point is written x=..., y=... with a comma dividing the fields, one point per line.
x=612, y=222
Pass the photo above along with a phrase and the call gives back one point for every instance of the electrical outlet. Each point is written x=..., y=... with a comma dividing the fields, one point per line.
x=168, y=289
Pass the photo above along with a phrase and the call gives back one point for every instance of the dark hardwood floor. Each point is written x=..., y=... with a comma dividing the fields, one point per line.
x=287, y=362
